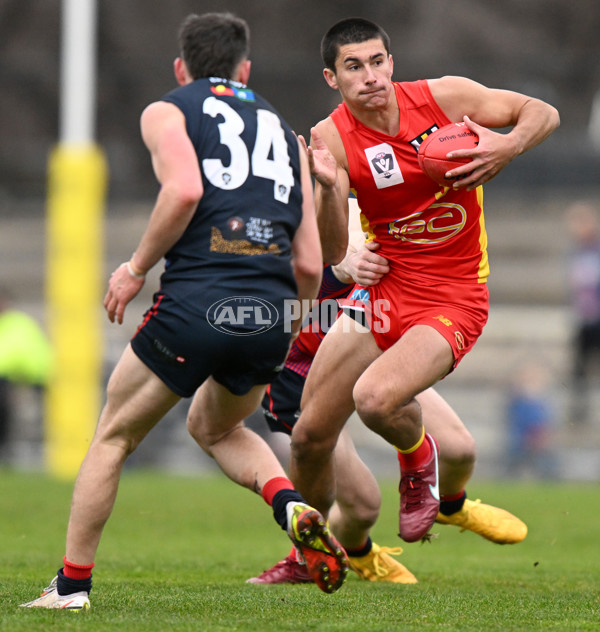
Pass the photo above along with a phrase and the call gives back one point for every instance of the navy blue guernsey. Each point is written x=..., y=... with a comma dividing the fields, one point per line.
x=239, y=239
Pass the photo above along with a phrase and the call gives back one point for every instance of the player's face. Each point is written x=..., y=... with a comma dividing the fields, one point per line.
x=363, y=74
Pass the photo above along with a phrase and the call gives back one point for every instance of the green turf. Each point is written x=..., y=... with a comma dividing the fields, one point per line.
x=177, y=550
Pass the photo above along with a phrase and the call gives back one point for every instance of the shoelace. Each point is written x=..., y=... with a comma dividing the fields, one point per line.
x=379, y=565
x=50, y=587
x=411, y=490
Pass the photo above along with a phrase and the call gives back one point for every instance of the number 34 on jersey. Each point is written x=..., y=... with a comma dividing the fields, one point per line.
x=270, y=158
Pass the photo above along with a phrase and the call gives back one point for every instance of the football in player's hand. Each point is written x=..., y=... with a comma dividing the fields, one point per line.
x=433, y=151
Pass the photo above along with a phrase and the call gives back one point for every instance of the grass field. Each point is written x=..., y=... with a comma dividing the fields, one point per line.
x=177, y=550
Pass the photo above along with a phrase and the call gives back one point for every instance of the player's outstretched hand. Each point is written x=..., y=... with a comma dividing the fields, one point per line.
x=323, y=165
x=122, y=288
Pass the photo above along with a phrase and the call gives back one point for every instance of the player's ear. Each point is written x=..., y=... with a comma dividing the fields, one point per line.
x=330, y=78
x=391, y=65
x=243, y=71
x=180, y=70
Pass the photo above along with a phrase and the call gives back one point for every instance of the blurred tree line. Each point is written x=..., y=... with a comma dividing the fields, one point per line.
x=545, y=48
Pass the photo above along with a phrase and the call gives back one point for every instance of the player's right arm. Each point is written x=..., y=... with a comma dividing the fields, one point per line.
x=329, y=166
x=176, y=167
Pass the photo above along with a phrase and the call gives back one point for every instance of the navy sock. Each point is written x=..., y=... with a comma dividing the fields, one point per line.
x=280, y=501
x=67, y=586
x=365, y=550
x=448, y=507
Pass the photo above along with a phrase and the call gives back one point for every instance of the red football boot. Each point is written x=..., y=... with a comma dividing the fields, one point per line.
x=325, y=559
x=420, y=497
x=288, y=571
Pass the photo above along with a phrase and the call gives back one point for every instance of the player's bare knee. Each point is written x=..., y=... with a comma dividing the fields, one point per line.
x=364, y=519
x=459, y=454
x=114, y=434
x=469, y=449
x=374, y=406
x=198, y=432
x=306, y=444
x=363, y=512
x=205, y=434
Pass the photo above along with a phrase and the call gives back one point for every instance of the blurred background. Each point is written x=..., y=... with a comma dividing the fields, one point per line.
x=529, y=392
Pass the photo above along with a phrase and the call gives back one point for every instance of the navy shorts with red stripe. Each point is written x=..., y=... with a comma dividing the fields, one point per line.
x=183, y=349
x=281, y=403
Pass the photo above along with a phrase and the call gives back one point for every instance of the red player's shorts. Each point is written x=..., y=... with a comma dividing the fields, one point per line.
x=458, y=311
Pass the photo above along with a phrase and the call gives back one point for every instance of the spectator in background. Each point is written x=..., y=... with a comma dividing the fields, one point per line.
x=531, y=419
x=25, y=358
x=583, y=279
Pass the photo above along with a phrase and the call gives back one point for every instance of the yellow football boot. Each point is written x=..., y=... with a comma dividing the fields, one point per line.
x=492, y=523
x=379, y=566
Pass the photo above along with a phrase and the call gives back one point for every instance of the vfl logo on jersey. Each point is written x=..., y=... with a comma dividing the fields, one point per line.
x=416, y=142
x=384, y=166
x=437, y=229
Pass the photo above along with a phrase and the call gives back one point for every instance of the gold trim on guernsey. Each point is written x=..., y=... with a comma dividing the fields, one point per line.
x=484, y=264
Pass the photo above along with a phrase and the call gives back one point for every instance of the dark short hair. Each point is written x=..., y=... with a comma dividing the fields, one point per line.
x=350, y=31
x=213, y=44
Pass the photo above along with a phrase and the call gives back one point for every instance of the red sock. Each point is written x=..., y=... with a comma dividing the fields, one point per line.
x=413, y=459
x=275, y=485
x=77, y=571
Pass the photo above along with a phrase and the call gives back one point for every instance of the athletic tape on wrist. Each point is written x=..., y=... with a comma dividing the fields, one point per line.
x=135, y=275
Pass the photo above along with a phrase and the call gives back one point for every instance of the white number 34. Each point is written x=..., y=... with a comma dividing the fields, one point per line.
x=270, y=141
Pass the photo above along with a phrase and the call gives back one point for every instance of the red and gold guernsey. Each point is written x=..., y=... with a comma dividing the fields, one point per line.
x=433, y=237
x=427, y=232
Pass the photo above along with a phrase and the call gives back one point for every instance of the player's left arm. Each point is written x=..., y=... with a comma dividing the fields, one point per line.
x=485, y=109
x=176, y=167
x=307, y=256
x=329, y=167
x=361, y=264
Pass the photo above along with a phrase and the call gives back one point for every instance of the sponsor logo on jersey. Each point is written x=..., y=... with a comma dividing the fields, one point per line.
x=440, y=225
x=259, y=229
x=416, y=142
x=460, y=340
x=443, y=319
x=360, y=294
x=242, y=315
x=235, y=224
x=384, y=166
x=167, y=354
